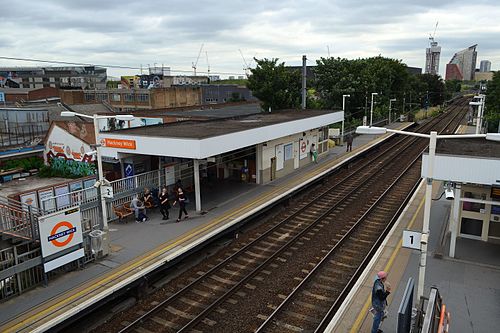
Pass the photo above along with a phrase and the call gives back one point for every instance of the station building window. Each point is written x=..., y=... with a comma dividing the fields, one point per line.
x=102, y=97
x=473, y=206
x=89, y=97
x=142, y=97
x=288, y=149
x=471, y=227
x=494, y=229
x=129, y=97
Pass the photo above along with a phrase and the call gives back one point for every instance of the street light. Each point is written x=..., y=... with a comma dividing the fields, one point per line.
x=371, y=110
x=390, y=108
x=343, y=109
x=433, y=137
x=100, y=173
x=480, y=111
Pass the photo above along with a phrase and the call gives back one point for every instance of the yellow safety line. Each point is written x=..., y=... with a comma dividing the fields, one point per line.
x=362, y=315
x=163, y=248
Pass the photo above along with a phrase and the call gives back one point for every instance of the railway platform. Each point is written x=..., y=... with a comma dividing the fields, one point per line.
x=468, y=283
x=140, y=248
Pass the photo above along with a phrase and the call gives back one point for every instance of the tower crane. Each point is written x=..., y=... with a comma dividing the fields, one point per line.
x=197, y=59
x=208, y=64
x=431, y=37
x=247, y=65
x=246, y=68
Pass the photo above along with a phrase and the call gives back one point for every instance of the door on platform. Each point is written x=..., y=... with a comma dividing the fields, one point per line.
x=296, y=161
x=471, y=228
x=273, y=168
x=252, y=170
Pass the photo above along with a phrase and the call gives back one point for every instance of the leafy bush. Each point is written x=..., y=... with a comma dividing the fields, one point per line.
x=60, y=167
x=24, y=163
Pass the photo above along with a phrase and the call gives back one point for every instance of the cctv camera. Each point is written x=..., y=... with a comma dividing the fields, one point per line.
x=97, y=184
x=450, y=195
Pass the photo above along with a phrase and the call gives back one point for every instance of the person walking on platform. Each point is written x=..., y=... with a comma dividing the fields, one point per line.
x=381, y=289
x=348, y=140
x=181, y=198
x=164, y=204
x=314, y=153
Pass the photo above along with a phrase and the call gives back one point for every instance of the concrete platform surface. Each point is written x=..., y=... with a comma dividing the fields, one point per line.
x=469, y=284
x=138, y=248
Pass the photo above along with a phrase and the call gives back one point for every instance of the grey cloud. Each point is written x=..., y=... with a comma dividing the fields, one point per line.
x=172, y=31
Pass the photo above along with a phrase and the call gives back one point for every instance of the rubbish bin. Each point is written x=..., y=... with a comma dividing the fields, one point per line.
x=96, y=241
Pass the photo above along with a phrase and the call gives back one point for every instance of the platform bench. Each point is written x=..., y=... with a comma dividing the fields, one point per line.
x=123, y=211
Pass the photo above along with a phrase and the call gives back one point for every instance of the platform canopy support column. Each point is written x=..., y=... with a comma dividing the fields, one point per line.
x=454, y=221
x=197, y=190
x=258, y=163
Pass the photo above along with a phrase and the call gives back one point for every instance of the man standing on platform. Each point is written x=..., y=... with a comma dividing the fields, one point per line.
x=380, y=291
x=348, y=140
x=314, y=153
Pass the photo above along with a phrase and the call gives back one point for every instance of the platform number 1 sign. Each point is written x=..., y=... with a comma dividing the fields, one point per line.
x=411, y=239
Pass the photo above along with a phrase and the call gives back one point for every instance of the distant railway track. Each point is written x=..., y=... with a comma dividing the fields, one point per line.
x=294, y=275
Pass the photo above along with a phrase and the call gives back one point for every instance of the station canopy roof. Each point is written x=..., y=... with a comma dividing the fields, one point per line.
x=198, y=140
x=474, y=161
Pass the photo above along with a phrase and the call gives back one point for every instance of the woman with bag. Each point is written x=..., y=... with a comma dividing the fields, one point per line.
x=181, y=198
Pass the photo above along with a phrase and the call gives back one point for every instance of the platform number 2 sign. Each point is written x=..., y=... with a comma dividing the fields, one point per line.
x=107, y=192
x=411, y=239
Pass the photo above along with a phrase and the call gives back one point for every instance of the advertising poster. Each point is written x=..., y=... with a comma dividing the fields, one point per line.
x=303, y=149
x=29, y=199
x=74, y=187
x=91, y=193
x=47, y=205
x=169, y=175
x=62, y=200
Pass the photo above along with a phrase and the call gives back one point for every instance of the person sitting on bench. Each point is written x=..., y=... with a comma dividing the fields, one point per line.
x=139, y=209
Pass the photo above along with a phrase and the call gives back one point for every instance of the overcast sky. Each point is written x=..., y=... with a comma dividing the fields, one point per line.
x=131, y=33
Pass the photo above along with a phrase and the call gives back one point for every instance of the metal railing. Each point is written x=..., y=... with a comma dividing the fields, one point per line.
x=123, y=189
x=18, y=220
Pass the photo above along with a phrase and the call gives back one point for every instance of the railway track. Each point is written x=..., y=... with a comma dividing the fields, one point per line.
x=291, y=276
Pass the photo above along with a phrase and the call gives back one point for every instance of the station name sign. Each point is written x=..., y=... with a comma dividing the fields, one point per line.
x=119, y=143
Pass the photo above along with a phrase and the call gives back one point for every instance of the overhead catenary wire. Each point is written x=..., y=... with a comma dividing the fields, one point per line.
x=107, y=66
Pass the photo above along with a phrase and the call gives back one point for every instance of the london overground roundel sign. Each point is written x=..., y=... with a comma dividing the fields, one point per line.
x=60, y=231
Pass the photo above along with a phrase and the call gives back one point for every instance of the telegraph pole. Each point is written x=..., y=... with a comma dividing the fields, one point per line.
x=304, y=75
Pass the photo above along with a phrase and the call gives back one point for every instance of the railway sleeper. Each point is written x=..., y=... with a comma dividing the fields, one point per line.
x=179, y=313
x=193, y=303
x=300, y=316
x=166, y=323
x=289, y=327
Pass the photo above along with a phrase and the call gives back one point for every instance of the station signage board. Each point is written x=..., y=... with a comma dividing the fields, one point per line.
x=59, y=232
x=412, y=239
x=119, y=143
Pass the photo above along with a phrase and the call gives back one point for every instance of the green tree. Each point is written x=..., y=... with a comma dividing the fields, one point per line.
x=434, y=88
x=359, y=78
x=275, y=85
x=493, y=103
x=453, y=87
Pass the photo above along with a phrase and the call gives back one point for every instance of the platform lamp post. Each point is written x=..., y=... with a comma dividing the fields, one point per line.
x=100, y=172
x=371, y=109
x=343, y=109
x=480, y=112
x=433, y=137
x=390, y=108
